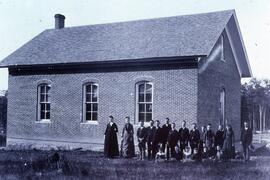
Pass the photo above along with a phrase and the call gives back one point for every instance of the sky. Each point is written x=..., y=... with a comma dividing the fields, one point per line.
x=21, y=20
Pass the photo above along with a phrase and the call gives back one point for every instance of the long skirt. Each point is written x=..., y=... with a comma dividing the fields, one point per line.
x=128, y=149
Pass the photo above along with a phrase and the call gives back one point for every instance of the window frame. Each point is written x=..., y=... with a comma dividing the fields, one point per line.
x=222, y=106
x=137, y=103
x=84, y=105
x=48, y=97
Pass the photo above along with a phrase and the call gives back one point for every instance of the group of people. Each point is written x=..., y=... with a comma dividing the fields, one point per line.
x=166, y=142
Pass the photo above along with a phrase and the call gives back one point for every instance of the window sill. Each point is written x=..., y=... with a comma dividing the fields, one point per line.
x=137, y=124
x=44, y=122
x=90, y=122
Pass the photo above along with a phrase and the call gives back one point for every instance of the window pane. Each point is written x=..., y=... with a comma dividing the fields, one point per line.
x=94, y=117
x=42, y=106
x=88, y=107
x=148, y=107
x=88, y=97
x=42, y=89
x=141, y=98
x=47, y=115
x=148, y=88
x=141, y=88
x=141, y=116
x=48, y=106
x=148, y=117
x=47, y=88
x=88, y=89
x=141, y=107
x=42, y=98
x=42, y=114
x=88, y=116
x=148, y=97
x=95, y=107
x=94, y=89
x=48, y=97
x=94, y=97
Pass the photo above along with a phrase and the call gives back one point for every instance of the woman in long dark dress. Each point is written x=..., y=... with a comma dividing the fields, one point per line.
x=228, y=145
x=128, y=149
x=110, y=143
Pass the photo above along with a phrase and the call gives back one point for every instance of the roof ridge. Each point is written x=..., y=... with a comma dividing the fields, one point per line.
x=141, y=20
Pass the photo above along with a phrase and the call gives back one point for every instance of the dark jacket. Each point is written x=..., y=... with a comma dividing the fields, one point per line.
x=142, y=134
x=246, y=136
x=183, y=134
x=219, y=138
x=165, y=132
x=151, y=134
x=173, y=138
x=158, y=136
x=209, y=138
x=194, y=137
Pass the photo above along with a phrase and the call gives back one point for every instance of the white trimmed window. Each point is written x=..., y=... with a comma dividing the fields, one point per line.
x=144, y=101
x=44, y=104
x=90, y=102
x=222, y=107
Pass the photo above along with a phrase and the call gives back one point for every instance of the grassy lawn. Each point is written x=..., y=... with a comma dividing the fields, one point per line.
x=91, y=165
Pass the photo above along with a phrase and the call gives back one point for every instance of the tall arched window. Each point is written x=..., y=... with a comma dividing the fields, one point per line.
x=222, y=107
x=144, y=101
x=44, y=104
x=90, y=102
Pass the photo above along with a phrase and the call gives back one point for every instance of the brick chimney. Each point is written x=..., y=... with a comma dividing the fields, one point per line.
x=59, y=21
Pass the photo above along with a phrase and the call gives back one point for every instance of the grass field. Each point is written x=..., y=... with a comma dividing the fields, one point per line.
x=92, y=165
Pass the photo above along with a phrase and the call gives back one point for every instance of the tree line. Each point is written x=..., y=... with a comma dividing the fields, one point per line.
x=255, y=103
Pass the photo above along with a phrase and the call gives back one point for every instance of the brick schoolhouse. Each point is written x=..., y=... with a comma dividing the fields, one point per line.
x=65, y=82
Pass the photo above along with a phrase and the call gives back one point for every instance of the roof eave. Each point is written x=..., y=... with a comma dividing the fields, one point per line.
x=152, y=59
x=249, y=72
x=3, y=66
x=242, y=62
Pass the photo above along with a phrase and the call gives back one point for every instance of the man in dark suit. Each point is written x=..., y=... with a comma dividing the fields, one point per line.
x=219, y=138
x=141, y=135
x=158, y=136
x=194, y=137
x=246, y=140
x=183, y=136
x=150, y=141
x=209, y=139
x=202, y=142
x=165, y=131
x=173, y=138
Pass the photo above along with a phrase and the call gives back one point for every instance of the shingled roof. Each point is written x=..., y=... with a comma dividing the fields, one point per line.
x=187, y=35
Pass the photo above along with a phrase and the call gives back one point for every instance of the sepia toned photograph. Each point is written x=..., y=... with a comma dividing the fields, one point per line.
x=134, y=89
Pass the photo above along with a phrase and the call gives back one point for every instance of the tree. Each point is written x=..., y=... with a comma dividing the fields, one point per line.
x=258, y=93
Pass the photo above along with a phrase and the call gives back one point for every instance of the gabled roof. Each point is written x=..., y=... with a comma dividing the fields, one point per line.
x=187, y=35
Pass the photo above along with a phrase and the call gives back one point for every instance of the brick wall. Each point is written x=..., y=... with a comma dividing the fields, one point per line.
x=175, y=96
x=3, y=118
x=211, y=79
